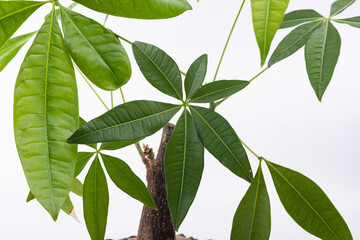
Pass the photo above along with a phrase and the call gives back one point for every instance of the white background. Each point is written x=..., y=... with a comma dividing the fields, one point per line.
x=278, y=115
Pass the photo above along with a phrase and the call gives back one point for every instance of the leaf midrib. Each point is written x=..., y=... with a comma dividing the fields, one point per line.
x=256, y=200
x=342, y=9
x=323, y=57
x=23, y=9
x=309, y=19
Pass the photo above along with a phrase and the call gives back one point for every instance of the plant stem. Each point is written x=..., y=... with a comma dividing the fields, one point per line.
x=122, y=95
x=112, y=100
x=182, y=73
x=247, y=147
x=122, y=38
x=106, y=18
x=257, y=75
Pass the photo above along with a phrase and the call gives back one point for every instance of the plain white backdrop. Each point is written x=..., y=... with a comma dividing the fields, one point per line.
x=278, y=115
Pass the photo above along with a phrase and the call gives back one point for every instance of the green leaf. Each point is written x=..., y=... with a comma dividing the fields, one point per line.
x=322, y=51
x=58, y=11
x=30, y=197
x=82, y=159
x=45, y=114
x=159, y=69
x=217, y=90
x=77, y=187
x=141, y=9
x=82, y=122
x=126, y=180
x=220, y=139
x=267, y=17
x=195, y=76
x=96, y=201
x=96, y=51
x=252, y=220
x=67, y=206
x=117, y=145
x=9, y=50
x=13, y=14
x=308, y=205
x=339, y=6
x=184, y=164
x=353, y=21
x=297, y=17
x=126, y=122
x=295, y=40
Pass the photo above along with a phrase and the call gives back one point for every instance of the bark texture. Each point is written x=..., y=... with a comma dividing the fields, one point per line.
x=156, y=224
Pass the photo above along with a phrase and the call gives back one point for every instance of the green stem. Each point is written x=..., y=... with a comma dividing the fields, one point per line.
x=257, y=75
x=122, y=95
x=112, y=99
x=182, y=73
x=122, y=38
x=247, y=147
x=106, y=18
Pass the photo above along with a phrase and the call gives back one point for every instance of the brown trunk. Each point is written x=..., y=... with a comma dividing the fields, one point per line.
x=156, y=224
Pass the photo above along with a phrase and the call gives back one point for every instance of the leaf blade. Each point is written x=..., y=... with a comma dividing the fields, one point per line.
x=339, y=6
x=353, y=21
x=81, y=161
x=297, y=17
x=195, y=76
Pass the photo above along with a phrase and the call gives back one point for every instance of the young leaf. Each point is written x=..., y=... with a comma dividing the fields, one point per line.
x=13, y=14
x=308, y=205
x=45, y=114
x=295, y=40
x=217, y=90
x=353, y=21
x=82, y=159
x=96, y=201
x=297, y=17
x=322, y=51
x=97, y=52
x=252, y=220
x=9, y=50
x=339, y=6
x=117, y=145
x=220, y=139
x=184, y=164
x=141, y=9
x=159, y=69
x=126, y=180
x=77, y=187
x=126, y=122
x=195, y=76
x=267, y=17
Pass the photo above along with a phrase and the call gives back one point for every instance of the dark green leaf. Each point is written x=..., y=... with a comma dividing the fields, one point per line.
x=30, y=197
x=295, y=40
x=126, y=122
x=96, y=201
x=220, y=139
x=45, y=114
x=322, y=51
x=354, y=21
x=126, y=180
x=308, y=205
x=158, y=68
x=82, y=159
x=252, y=220
x=82, y=122
x=96, y=51
x=77, y=187
x=217, y=90
x=297, y=17
x=117, y=145
x=184, y=164
x=339, y=6
x=195, y=75
x=142, y=9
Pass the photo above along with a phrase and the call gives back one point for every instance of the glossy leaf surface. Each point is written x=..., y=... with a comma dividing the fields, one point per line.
x=126, y=122
x=82, y=159
x=195, y=76
x=267, y=17
x=159, y=69
x=184, y=164
x=308, y=205
x=322, y=51
x=126, y=180
x=297, y=17
x=96, y=201
x=339, y=6
x=45, y=115
x=117, y=145
x=96, y=51
x=252, y=220
x=220, y=139
x=142, y=9
x=295, y=40
x=353, y=21
x=217, y=90
x=9, y=50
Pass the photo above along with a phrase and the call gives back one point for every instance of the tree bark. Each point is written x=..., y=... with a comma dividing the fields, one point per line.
x=156, y=224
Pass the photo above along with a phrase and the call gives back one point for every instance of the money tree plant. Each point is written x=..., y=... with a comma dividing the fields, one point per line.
x=48, y=128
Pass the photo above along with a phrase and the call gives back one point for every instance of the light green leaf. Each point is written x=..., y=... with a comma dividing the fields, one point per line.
x=295, y=40
x=82, y=159
x=322, y=51
x=297, y=17
x=339, y=6
x=159, y=69
x=58, y=11
x=77, y=187
x=117, y=145
x=141, y=9
x=126, y=180
x=353, y=21
x=195, y=76
x=96, y=201
x=30, y=197
x=45, y=114
x=308, y=205
x=184, y=164
x=252, y=220
x=267, y=17
x=220, y=139
x=13, y=14
x=126, y=122
x=9, y=50
x=96, y=51
x=217, y=90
